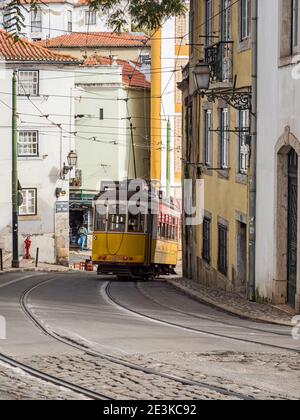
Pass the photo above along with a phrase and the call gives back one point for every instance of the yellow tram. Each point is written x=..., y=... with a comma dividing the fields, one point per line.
x=136, y=232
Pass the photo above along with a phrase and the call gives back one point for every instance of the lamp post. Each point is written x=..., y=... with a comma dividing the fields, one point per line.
x=202, y=76
x=72, y=159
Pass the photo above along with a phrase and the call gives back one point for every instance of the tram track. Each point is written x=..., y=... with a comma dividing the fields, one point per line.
x=38, y=374
x=222, y=391
x=119, y=304
x=205, y=318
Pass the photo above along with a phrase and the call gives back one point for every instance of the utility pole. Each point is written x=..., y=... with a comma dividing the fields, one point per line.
x=168, y=158
x=15, y=183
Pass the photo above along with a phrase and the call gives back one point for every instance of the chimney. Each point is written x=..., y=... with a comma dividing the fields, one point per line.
x=114, y=59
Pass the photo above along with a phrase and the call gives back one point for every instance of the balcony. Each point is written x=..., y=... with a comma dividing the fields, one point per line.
x=219, y=56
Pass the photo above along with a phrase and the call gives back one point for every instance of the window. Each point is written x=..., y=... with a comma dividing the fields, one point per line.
x=90, y=18
x=136, y=223
x=7, y=20
x=28, y=144
x=225, y=20
x=145, y=59
x=36, y=21
x=295, y=24
x=101, y=114
x=244, y=123
x=224, y=138
x=207, y=137
x=28, y=82
x=192, y=32
x=70, y=21
x=222, y=251
x=208, y=22
x=206, y=240
x=100, y=221
x=29, y=206
x=117, y=218
x=245, y=18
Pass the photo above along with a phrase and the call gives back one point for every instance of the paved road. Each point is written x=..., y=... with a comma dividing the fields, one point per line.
x=150, y=324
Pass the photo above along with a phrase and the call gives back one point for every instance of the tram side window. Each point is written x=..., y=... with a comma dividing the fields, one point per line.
x=136, y=223
x=100, y=222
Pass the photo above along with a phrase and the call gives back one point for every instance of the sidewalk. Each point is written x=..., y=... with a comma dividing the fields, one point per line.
x=29, y=265
x=233, y=303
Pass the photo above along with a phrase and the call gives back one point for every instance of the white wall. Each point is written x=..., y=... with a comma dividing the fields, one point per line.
x=42, y=172
x=278, y=107
x=55, y=21
x=107, y=157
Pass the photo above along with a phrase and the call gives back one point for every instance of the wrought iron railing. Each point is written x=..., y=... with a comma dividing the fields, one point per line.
x=220, y=58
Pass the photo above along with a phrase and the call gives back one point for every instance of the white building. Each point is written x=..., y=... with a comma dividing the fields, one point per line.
x=278, y=151
x=56, y=17
x=45, y=83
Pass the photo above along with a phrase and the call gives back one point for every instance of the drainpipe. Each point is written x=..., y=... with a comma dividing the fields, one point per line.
x=252, y=189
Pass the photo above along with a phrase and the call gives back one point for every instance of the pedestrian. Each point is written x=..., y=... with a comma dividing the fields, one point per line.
x=82, y=233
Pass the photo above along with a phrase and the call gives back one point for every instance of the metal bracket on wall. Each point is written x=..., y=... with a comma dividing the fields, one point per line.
x=239, y=99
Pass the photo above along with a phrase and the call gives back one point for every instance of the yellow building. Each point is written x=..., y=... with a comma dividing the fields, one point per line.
x=170, y=53
x=216, y=139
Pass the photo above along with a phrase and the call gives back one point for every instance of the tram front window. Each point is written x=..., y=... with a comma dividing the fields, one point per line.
x=100, y=222
x=117, y=219
x=136, y=223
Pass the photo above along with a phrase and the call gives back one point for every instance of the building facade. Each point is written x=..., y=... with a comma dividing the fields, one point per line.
x=175, y=39
x=111, y=95
x=45, y=80
x=125, y=46
x=216, y=125
x=278, y=149
x=54, y=18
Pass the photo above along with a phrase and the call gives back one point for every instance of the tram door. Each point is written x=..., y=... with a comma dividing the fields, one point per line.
x=292, y=225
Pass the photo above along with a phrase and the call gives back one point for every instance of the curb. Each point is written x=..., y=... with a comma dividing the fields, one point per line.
x=35, y=270
x=229, y=309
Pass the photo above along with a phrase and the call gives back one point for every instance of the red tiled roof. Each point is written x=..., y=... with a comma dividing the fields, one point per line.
x=82, y=3
x=45, y=1
x=76, y=3
x=23, y=50
x=131, y=74
x=96, y=39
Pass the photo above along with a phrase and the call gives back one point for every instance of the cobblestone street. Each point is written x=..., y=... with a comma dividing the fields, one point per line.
x=142, y=346
x=17, y=385
x=234, y=303
x=120, y=383
x=234, y=372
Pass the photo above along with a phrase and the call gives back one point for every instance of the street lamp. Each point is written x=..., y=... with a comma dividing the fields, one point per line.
x=72, y=162
x=202, y=76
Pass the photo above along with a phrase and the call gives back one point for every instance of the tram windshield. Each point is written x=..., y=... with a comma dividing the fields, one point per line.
x=136, y=223
x=118, y=219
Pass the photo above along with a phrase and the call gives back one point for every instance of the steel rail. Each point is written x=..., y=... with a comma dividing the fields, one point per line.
x=204, y=318
x=116, y=360
x=51, y=379
x=196, y=330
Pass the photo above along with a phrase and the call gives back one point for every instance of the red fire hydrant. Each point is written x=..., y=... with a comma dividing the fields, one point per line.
x=27, y=247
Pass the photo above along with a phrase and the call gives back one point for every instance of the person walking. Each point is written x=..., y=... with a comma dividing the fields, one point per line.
x=82, y=232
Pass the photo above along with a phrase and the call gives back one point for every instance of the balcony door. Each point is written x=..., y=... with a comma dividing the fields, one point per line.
x=225, y=20
x=225, y=50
